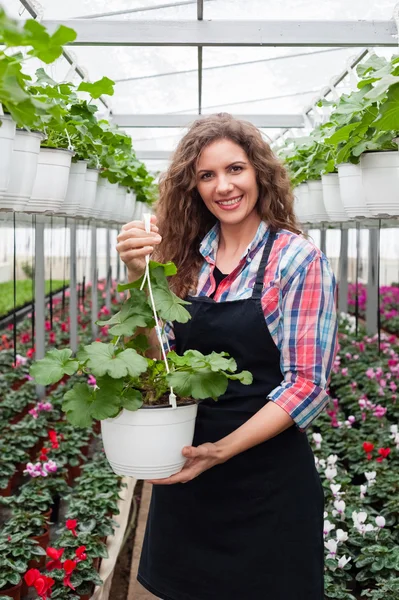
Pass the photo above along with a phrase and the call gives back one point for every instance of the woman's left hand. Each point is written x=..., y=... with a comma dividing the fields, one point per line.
x=199, y=459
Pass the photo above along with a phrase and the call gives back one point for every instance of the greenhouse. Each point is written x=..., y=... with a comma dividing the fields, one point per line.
x=262, y=137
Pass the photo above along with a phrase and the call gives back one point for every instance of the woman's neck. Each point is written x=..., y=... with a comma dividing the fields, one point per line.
x=234, y=239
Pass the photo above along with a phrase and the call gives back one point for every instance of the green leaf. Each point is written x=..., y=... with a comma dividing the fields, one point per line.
x=139, y=343
x=245, y=377
x=169, y=269
x=45, y=47
x=169, y=306
x=98, y=88
x=199, y=385
x=388, y=119
x=107, y=401
x=42, y=77
x=53, y=367
x=134, y=313
x=342, y=134
x=77, y=404
x=103, y=360
x=132, y=399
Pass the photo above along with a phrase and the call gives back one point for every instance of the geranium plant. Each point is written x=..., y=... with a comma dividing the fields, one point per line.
x=125, y=377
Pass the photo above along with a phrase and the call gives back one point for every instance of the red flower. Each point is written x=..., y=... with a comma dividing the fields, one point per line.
x=53, y=439
x=64, y=327
x=52, y=338
x=55, y=555
x=71, y=524
x=43, y=454
x=384, y=453
x=47, y=326
x=81, y=553
x=30, y=353
x=31, y=576
x=41, y=583
x=69, y=567
x=368, y=447
x=25, y=338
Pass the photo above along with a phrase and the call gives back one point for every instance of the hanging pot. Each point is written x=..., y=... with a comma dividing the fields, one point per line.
x=111, y=202
x=317, y=210
x=7, y=135
x=120, y=203
x=352, y=193
x=51, y=182
x=102, y=194
x=332, y=197
x=23, y=169
x=88, y=199
x=12, y=592
x=301, y=204
x=380, y=173
x=147, y=443
x=130, y=207
x=76, y=189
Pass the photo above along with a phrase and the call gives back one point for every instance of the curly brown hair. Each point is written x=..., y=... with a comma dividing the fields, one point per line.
x=183, y=217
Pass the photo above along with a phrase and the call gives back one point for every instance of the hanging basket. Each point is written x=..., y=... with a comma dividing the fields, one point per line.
x=380, y=173
x=51, y=182
x=130, y=207
x=7, y=135
x=332, y=197
x=23, y=169
x=76, y=189
x=88, y=199
x=103, y=196
x=352, y=192
x=301, y=193
x=317, y=211
x=120, y=204
x=147, y=443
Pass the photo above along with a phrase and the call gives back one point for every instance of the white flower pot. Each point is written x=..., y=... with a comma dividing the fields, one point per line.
x=101, y=198
x=332, y=197
x=86, y=208
x=51, y=182
x=352, y=193
x=7, y=135
x=76, y=189
x=139, y=211
x=130, y=207
x=380, y=172
x=301, y=203
x=317, y=212
x=120, y=204
x=148, y=443
x=23, y=169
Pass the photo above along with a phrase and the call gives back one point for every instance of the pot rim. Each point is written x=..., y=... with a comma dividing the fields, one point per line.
x=152, y=406
x=14, y=587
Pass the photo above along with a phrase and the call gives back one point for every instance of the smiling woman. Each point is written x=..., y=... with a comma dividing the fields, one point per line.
x=248, y=521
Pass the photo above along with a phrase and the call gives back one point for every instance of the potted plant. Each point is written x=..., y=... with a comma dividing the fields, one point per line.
x=143, y=428
x=15, y=552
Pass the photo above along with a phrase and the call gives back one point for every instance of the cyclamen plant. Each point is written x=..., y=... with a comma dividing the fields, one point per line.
x=124, y=377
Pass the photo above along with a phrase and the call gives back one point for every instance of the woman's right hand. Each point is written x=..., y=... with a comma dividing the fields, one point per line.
x=134, y=243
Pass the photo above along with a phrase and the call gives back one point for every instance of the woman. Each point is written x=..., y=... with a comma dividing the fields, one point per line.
x=248, y=522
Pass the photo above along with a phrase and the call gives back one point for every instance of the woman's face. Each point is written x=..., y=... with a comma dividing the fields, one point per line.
x=226, y=181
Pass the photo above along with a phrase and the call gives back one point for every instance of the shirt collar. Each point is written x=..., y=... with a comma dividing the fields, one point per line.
x=210, y=243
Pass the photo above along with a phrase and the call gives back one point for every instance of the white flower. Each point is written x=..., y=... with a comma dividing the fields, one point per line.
x=380, y=521
x=322, y=463
x=340, y=505
x=332, y=459
x=330, y=473
x=325, y=514
x=370, y=476
x=331, y=546
x=394, y=430
x=363, y=490
x=359, y=517
x=335, y=490
x=317, y=440
x=342, y=535
x=328, y=527
x=343, y=561
x=368, y=527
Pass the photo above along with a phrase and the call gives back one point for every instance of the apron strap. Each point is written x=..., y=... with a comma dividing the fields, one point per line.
x=258, y=287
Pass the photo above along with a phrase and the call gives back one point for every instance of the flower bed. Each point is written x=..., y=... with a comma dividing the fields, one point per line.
x=389, y=304
x=24, y=293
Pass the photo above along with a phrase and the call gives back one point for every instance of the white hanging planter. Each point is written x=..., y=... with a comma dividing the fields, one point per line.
x=23, y=169
x=301, y=203
x=148, y=443
x=130, y=207
x=380, y=172
x=87, y=205
x=103, y=187
x=120, y=204
x=332, y=197
x=51, y=182
x=76, y=189
x=317, y=211
x=109, y=211
x=352, y=193
x=7, y=135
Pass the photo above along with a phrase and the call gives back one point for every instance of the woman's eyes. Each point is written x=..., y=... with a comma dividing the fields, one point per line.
x=234, y=169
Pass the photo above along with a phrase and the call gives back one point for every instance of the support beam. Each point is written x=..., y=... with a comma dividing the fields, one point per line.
x=230, y=33
x=323, y=239
x=93, y=277
x=174, y=120
x=153, y=154
x=372, y=283
x=40, y=306
x=343, y=273
x=129, y=11
x=73, y=298
x=109, y=270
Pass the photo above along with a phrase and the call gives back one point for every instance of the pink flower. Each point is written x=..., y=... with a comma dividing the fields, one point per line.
x=47, y=326
x=34, y=413
x=44, y=406
x=35, y=470
x=50, y=466
x=91, y=380
x=370, y=373
x=344, y=372
x=379, y=411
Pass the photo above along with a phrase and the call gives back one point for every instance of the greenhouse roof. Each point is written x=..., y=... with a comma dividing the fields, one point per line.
x=174, y=59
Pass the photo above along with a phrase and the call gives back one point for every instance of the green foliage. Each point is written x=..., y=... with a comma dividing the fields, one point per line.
x=24, y=293
x=54, y=366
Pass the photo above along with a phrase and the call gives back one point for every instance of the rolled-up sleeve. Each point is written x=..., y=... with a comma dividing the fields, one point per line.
x=308, y=333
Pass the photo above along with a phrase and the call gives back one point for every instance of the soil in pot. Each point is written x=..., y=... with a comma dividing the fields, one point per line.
x=13, y=592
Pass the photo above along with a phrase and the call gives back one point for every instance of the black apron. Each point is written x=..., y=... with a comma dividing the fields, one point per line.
x=251, y=528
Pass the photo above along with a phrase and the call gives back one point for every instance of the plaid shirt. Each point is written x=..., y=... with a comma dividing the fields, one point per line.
x=298, y=301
